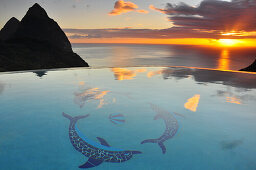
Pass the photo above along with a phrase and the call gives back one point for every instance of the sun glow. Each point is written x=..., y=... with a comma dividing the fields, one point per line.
x=230, y=33
x=228, y=42
x=225, y=42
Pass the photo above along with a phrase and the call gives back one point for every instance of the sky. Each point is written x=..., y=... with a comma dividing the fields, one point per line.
x=200, y=22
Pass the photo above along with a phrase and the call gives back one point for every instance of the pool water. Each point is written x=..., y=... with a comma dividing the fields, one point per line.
x=144, y=117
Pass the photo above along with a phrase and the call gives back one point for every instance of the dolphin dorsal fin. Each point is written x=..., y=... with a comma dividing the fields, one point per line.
x=103, y=142
x=91, y=163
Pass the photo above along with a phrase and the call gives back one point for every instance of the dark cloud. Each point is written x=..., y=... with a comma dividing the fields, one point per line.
x=234, y=79
x=78, y=4
x=82, y=36
x=174, y=32
x=223, y=16
x=210, y=19
x=240, y=96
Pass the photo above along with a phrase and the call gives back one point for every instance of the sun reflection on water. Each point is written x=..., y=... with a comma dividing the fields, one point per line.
x=224, y=62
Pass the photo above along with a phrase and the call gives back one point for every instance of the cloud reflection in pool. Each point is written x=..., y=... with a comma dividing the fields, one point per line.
x=89, y=94
x=234, y=79
x=126, y=74
x=192, y=103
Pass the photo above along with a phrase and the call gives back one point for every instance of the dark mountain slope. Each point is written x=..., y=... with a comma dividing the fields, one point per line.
x=9, y=29
x=251, y=68
x=37, y=43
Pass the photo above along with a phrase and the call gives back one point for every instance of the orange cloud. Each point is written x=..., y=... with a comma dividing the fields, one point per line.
x=192, y=103
x=153, y=73
x=157, y=9
x=81, y=83
x=121, y=7
x=101, y=104
x=125, y=74
x=142, y=11
x=233, y=100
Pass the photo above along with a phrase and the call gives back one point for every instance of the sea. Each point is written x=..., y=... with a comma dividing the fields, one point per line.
x=126, y=55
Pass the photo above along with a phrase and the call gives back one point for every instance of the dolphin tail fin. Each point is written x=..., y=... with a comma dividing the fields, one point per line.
x=74, y=118
x=67, y=116
x=91, y=163
x=149, y=141
x=161, y=144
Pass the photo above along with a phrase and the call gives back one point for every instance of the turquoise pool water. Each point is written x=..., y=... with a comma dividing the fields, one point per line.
x=198, y=119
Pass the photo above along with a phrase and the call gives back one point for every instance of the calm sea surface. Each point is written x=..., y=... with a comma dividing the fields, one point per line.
x=121, y=55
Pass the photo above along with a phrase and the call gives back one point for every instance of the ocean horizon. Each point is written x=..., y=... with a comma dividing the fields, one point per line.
x=135, y=55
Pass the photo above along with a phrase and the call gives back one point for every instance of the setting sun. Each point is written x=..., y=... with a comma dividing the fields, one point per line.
x=228, y=42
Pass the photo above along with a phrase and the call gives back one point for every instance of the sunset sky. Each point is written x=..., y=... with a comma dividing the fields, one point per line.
x=208, y=22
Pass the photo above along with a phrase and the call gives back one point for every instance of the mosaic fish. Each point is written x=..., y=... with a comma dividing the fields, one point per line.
x=97, y=153
x=171, y=127
x=117, y=118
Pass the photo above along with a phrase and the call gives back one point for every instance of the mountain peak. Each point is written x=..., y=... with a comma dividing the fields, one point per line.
x=13, y=20
x=36, y=11
x=37, y=42
x=9, y=29
x=37, y=26
x=36, y=5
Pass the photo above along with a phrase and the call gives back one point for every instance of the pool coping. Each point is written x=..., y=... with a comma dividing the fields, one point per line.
x=144, y=66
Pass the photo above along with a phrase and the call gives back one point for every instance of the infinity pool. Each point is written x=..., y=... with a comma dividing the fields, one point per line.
x=128, y=118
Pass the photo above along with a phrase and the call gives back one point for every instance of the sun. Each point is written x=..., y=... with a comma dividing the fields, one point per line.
x=228, y=42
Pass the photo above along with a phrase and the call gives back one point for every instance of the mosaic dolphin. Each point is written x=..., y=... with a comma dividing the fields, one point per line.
x=97, y=153
x=171, y=127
